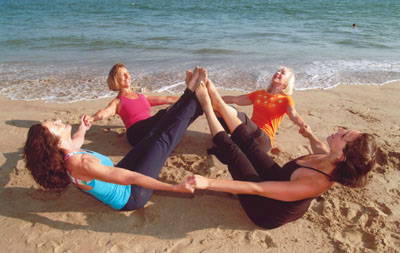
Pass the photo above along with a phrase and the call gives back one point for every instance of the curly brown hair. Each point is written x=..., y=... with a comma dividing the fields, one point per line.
x=112, y=76
x=360, y=156
x=44, y=159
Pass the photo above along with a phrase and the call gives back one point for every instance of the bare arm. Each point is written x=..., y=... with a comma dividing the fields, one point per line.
x=79, y=136
x=317, y=146
x=239, y=100
x=284, y=191
x=161, y=100
x=295, y=117
x=91, y=167
x=107, y=112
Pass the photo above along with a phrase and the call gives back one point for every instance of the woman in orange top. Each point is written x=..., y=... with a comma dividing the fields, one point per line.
x=269, y=107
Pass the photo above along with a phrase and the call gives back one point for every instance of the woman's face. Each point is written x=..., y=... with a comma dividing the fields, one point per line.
x=123, y=78
x=337, y=141
x=58, y=128
x=282, y=77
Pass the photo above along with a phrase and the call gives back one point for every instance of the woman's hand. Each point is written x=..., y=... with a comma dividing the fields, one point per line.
x=184, y=187
x=78, y=137
x=86, y=122
x=198, y=182
x=306, y=131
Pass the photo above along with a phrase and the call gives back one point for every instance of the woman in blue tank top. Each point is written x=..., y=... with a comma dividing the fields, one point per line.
x=272, y=195
x=54, y=156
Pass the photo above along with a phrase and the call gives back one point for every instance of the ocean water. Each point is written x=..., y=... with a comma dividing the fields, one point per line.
x=62, y=50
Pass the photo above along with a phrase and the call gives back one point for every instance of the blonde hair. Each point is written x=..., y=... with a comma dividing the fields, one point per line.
x=112, y=76
x=290, y=85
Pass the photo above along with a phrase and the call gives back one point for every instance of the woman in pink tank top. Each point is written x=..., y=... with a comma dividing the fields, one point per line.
x=132, y=107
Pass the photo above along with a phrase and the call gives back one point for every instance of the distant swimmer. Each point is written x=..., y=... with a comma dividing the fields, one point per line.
x=354, y=25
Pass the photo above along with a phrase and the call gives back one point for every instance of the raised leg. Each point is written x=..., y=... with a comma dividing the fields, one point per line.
x=228, y=113
x=150, y=153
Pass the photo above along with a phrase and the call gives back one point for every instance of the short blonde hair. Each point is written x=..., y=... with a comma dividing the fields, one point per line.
x=112, y=76
x=290, y=85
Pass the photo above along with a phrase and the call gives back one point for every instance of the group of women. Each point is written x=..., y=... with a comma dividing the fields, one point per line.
x=269, y=194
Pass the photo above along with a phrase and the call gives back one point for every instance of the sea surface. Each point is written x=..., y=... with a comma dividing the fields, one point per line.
x=61, y=50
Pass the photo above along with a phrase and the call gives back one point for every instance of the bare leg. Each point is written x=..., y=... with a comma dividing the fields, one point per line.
x=205, y=102
x=228, y=113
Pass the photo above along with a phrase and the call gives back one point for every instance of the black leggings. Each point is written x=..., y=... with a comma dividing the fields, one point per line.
x=259, y=135
x=140, y=129
x=248, y=162
x=245, y=159
x=150, y=154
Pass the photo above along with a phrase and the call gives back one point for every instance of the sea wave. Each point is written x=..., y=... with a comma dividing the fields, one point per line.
x=63, y=84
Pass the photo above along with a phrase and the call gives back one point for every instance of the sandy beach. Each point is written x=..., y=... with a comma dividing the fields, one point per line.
x=341, y=220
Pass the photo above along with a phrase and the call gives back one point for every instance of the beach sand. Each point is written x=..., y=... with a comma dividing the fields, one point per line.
x=341, y=220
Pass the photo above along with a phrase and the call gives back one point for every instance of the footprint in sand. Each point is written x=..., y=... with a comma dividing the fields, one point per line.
x=383, y=209
x=364, y=115
x=353, y=241
x=395, y=192
x=180, y=246
x=388, y=158
x=261, y=238
x=195, y=164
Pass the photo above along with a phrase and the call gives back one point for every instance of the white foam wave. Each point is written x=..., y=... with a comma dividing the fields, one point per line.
x=170, y=88
x=69, y=84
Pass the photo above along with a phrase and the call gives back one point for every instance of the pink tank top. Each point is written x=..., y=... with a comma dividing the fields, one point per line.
x=134, y=110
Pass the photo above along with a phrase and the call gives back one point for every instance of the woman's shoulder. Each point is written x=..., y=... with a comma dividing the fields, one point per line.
x=261, y=91
x=77, y=158
x=84, y=163
x=116, y=100
x=287, y=98
x=308, y=157
x=257, y=93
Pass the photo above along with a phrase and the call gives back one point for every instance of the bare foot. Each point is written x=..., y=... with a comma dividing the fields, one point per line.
x=203, y=76
x=191, y=85
x=214, y=95
x=189, y=75
x=202, y=96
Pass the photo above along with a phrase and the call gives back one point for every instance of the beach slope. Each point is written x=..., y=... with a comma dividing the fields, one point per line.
x=366, y=220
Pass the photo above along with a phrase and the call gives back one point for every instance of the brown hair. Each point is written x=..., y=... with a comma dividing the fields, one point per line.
x=360, y=156
x=112, y=76
x=44, y=159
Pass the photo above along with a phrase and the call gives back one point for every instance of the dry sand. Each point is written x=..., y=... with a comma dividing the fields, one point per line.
x=342, y=220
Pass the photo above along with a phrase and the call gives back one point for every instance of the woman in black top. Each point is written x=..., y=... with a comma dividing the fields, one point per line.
x=270, y=195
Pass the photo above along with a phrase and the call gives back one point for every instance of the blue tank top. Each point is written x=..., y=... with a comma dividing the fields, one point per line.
x=111, y=194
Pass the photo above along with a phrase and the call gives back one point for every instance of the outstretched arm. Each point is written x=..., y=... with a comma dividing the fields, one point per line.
x=161, y=100
x=295, y=117
x=79, y=136
x=317, y=146
x=239, y=100
x=88, y=166
x=107, y=112
x=284, y=191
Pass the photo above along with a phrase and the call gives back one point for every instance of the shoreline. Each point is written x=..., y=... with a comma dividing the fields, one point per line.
x=55, y=83
x=340, y=220
x=166, y=91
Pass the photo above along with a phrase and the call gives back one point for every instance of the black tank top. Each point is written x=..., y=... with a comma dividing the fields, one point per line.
x=285, y=173
x=271, y=213
x=296, y=166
